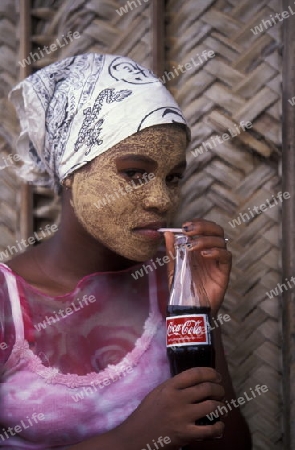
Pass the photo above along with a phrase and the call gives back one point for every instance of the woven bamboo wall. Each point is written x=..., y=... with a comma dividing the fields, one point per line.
x=8, y=125
x=242, y=82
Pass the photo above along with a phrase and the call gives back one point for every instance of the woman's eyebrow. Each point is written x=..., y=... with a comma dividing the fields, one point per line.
x=147, y=159
x=140, y=158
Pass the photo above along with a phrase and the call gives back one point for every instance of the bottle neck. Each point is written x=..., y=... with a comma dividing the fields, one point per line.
x=187, y=287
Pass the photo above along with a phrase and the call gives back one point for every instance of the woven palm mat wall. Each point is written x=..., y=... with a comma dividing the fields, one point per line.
x=8, y=125
x=242, y=82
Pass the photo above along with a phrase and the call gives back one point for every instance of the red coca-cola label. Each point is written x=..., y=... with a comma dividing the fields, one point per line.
x=187, y=330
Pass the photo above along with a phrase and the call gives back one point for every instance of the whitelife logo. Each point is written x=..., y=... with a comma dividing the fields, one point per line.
x=49, y=229
x=63, y=313
x=155, y=445
x=269, y=23
x=259, y=209
x=129, y=6
x=24, y=424
x=9, y=160
x=109, y=198
x=217, y=140
x=281, y=288
x=237, y=403
x=203, y=58
x=3, y=345
x=118, y=372
x=52, y=48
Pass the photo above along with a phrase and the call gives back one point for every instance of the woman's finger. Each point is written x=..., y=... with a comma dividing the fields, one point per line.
x=202, y=433
x=222, y=256
x=202, y=227
x=207, y=390
x=195, y=376
x=206, y=242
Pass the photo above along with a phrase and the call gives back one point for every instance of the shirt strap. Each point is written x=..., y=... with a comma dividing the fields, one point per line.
x=14, y=299
x=153, y=292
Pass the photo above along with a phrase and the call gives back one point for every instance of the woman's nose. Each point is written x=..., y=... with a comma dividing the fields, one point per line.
x=158, y=196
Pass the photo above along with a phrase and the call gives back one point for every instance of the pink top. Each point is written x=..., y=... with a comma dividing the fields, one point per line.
x=77, y=365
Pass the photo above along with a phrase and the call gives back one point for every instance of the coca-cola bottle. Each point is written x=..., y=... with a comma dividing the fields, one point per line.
x=189, y=336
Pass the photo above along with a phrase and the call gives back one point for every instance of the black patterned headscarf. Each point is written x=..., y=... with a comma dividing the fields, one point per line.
x=76, y=109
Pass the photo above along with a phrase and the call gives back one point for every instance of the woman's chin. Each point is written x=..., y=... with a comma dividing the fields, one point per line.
x=134, y=249
x=140, y=257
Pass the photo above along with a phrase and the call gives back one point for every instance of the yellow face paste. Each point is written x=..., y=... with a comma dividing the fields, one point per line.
x=110, y=203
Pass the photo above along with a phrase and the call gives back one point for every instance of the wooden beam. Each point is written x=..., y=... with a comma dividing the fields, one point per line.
x=26, y=191
x=288, y=229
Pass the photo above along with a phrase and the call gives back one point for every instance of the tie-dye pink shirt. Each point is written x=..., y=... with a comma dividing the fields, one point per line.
x=77, y=365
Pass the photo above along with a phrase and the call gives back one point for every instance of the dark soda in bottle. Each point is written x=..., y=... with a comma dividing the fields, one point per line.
x=189, y=337
x=200, y=354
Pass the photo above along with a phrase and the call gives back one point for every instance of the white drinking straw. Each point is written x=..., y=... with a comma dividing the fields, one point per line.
x=173, y=230
x=176, y=230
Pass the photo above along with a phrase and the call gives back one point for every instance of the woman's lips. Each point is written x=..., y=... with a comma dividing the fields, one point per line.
x=148, y=233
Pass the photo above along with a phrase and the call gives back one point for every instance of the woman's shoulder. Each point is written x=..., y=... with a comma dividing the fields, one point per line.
x=29, y=271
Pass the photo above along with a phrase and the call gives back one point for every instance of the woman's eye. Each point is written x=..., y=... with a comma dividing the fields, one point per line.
x=136, y=175
x=174, y=178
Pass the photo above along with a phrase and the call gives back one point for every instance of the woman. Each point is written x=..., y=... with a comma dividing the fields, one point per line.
x=85, y=359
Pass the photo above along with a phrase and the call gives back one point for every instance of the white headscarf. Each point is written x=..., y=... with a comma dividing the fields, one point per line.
x=76, y=109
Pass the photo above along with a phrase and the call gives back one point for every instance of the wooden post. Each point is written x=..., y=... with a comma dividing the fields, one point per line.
x=288, y=227
x=158, y=37
x=26, y=191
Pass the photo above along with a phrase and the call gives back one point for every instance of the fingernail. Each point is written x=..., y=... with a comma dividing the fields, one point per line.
x=188, y=226
x=206, y=252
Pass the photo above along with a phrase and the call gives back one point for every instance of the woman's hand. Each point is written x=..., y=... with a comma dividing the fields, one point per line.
x=207, y=238
x=172, y=408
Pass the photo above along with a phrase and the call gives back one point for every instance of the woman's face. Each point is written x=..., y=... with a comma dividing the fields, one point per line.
x=126, y=193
